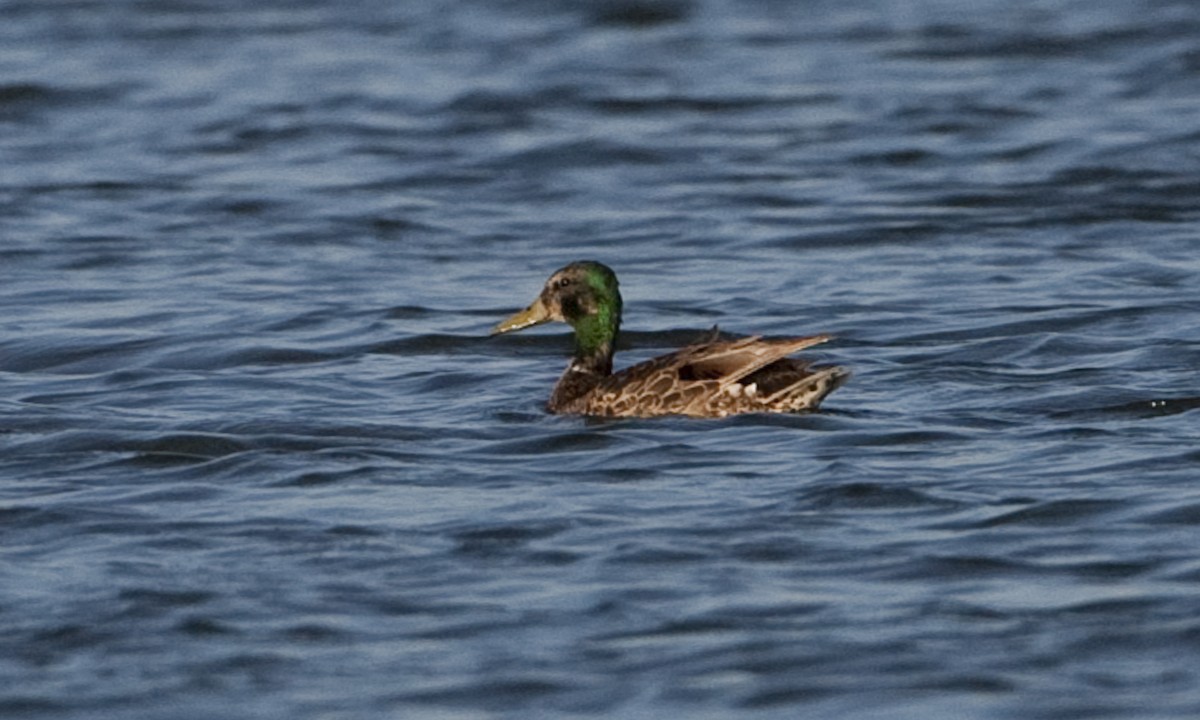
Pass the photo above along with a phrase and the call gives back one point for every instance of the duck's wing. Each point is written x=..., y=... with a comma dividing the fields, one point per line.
x=730, y=362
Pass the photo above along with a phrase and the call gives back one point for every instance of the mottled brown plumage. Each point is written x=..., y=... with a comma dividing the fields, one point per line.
x=711, y=378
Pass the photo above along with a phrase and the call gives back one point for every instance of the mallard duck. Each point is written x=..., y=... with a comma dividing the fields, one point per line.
x=711, y=378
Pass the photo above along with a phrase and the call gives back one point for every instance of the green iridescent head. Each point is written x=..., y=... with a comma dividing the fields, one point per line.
x=584, y=295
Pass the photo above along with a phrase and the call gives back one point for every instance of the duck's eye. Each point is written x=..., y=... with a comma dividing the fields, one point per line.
x=565, y=282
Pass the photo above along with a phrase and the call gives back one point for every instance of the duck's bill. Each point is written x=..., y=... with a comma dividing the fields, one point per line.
x=535, y=314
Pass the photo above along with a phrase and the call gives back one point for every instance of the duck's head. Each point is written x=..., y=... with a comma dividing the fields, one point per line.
x=584, y=295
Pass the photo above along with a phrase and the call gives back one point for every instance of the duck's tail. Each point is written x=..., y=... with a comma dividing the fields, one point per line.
x=807, y=392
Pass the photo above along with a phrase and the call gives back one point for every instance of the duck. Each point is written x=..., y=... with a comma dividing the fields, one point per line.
x=711, y=378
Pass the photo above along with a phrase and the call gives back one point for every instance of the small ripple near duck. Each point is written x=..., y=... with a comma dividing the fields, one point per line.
x=711, y=378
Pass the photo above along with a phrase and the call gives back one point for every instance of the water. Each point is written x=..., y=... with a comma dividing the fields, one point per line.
x=258, y=460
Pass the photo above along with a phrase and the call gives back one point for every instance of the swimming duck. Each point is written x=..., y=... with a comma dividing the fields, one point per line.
x=711, y=378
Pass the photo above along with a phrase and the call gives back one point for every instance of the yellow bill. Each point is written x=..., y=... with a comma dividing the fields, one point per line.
x=535, y=314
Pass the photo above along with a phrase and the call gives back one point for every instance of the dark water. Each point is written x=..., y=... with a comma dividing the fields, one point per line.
x=257, y=459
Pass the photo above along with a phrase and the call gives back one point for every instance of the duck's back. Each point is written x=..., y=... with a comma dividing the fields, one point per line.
x=713, y=379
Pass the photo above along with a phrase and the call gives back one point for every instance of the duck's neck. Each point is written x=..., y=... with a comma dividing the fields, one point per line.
x=595, y=338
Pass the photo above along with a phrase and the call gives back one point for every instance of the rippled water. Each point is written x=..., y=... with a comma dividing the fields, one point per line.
x=257, y=458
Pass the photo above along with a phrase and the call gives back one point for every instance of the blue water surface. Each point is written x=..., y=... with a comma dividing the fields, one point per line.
x=259, y=458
